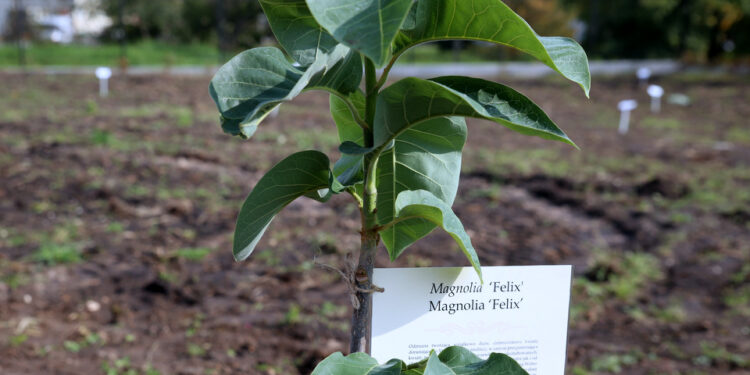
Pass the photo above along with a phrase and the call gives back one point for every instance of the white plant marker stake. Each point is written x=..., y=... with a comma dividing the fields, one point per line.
x=625, y=107
x=643, y=75
x=655, y=92
x=103, y=73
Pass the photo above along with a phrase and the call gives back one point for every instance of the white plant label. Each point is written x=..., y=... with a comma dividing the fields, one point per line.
x=655, y=92
x=521, y=311
x=643, y=74
x=625, y=107
x=103, y=73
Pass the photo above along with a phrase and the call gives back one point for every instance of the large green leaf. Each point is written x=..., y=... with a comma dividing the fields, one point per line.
x=356, y=364
x=342, y=112
x=411, y=101
x=296, y=29
x=457, y=356
x=453, y=360
x=368, y=26
x=422, y=204
x=304, y=173
x=349, y=169
x=427, y=157
x=254, y=82
x=491, y=21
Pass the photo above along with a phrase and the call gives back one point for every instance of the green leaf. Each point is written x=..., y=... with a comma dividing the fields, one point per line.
x=496, y=364
x=348, y=170
x=412, y=100
x=296, y=29
x=425, y=205
x=356, y=364
x=343, y=111
x=491, y=21
x=303, y=173
x=367, y=26
x=427, y=157
x=254, y=82
x=456, y=356
x=351, y=148
x=451, y=361
x=433, y=366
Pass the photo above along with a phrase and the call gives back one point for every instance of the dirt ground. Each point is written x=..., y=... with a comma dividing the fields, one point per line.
x=116, y=219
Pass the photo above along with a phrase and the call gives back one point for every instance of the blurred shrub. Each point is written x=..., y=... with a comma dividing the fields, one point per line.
x=185, y=21
x=696, y=29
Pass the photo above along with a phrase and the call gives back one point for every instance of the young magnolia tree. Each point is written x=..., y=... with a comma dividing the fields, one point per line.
x=401, y=145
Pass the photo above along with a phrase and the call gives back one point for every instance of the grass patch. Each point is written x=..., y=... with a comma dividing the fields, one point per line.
x=738, y=300
x=717, y=188
x=293, y=315
x=712, y=355
x=613, y=363
x=53, y=254
x=324, y=139
x=661, y=123
x=614, y=276
x=193, y=254
x=195, y=350
x=18, y=340
x=739, y=134
x=183, y=116
x=557, y=163
x=430, y=53
x=141, y=53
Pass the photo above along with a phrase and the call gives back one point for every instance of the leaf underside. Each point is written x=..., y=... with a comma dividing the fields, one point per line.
x=297, y=30
x=424, y=205
x=367, y=26
x=304, y=173
x=254, y=82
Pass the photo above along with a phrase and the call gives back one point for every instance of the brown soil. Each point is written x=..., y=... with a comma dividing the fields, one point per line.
x=130, y=180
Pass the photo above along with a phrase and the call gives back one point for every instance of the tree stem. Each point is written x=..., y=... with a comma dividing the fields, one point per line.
x=360, y=337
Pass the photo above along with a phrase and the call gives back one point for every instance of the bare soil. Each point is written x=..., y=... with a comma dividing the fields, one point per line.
x=116, y=217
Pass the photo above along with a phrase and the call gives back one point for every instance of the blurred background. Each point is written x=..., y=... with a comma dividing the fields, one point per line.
x=118, y=191
x=207, y=32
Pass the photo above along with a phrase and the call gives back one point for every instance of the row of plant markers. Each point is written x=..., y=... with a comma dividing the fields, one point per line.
x=655, y=92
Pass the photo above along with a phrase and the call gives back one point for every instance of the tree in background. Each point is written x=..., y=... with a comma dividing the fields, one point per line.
x=697, y=29
x=183, y=21
x=549, y=17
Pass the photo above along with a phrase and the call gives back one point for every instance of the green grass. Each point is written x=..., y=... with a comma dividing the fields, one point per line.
x=142, y=53
x=660, y=123
x=293, y=315
x=194, y=254
x=613, y=363
x=713, y=354
x=195, y=350
x=430, y=53
x=53, y=254
x=18, y=340
x=738, y=300
x=623, y=277
x=739, y=134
